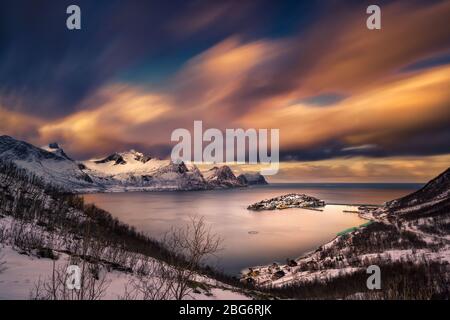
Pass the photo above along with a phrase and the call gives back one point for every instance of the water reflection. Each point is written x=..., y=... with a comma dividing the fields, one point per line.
x=249, y=238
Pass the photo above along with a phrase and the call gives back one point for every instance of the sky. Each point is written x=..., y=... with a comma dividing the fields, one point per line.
x=351, y=104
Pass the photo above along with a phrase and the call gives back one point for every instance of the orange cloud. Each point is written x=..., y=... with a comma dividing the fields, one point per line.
x=109, y=122
x=338, y=55
x=210, y=79
x=418, y=101
x=263, y=83
x=18, y=124
x=358, y=169
x=356, y=57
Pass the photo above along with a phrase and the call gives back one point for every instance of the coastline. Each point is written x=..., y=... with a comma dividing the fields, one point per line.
x=330, y=242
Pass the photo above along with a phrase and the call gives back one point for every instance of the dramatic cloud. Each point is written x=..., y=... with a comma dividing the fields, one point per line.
x=17, y=124
x=45, y=68
x=114, y=122
x=138, y=70
x=392, y=117
x=244, y=76
x=361, y=169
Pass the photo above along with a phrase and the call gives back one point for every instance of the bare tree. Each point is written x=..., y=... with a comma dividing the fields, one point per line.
x=188, y=248
x=93, y=284
x=150, y=283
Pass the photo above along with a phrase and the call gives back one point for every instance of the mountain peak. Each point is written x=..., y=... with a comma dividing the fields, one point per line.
x=136, y=155
x=54, y=148
x=222, y=176
x=122, y=158
x=11, y=148
x=115, y=157
x=53, y=145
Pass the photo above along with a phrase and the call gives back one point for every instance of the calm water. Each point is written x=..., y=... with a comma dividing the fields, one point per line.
x=251, y=238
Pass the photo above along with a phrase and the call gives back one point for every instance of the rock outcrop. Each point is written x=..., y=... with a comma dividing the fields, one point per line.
x=252, y=179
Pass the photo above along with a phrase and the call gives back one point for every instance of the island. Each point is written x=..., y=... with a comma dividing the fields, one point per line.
x=291, y=200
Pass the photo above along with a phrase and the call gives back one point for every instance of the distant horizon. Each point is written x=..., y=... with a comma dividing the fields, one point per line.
x=349, y=183
x=351, y=103
x=247, y=168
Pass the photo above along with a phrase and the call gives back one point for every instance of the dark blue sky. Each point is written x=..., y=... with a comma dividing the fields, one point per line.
x=137, y=41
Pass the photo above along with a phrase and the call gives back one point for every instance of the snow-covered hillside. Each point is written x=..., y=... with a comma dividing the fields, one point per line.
x=43, y=231
x=130, y=171
x=52, y=167
x=222, y=177
x=409, y=239
x=118, y=172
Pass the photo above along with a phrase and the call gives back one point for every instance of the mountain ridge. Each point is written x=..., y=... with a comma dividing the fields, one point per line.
x=427, y=201
x=118, y=172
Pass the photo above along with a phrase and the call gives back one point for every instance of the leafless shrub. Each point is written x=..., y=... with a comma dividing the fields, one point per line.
x=93, y=284
x=26, y=236
x=152, y=282
x=4, y=233
x=175, y=278
x=189, y=247
x=2, y=262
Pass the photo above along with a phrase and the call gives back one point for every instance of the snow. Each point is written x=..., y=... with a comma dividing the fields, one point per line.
x=132, y=165
x=221, y=294
x=265, y=274
x=21, y=272
x=134, y=171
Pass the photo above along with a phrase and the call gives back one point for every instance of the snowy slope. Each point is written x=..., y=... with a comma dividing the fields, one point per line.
x=118, y=172
x=222, y=177
x=431, y=200
x=42, y=232
x=21, y=272
x=53, y=168
x=133, y=171
x=413, y=230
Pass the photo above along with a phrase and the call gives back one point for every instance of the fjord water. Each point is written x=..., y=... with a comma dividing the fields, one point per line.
x=251, y=238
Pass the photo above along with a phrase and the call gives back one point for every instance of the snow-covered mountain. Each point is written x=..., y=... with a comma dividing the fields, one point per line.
x=43, y=231
x=222, y=177
x=125, y=171
x=133, y=170
x=54, y=148
x=52, y=167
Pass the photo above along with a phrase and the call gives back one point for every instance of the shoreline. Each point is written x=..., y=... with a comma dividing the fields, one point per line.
x=311, y=252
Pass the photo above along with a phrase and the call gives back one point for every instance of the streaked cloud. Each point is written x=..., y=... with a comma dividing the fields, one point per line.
x=334, y=89
x=111, y=124
x=384, y=115
x=18, y=124
x=358, y=169
x=361, y=147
